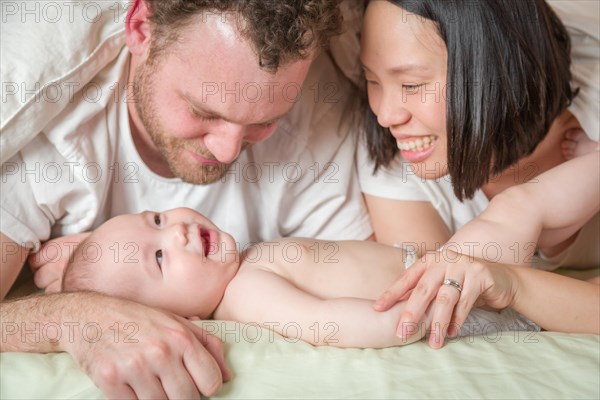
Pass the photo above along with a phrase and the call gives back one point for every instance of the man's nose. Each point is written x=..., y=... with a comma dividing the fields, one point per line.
x=225, y=142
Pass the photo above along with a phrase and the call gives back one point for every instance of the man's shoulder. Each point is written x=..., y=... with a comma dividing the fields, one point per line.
x=49, y=52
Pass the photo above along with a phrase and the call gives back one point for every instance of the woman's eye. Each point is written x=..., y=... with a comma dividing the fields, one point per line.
x=159, y=258
x=412, y=87
x=157, y=219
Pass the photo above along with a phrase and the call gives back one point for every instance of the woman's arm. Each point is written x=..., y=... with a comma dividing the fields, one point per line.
x=416, y=223
x=557, y=204
x=555, y=302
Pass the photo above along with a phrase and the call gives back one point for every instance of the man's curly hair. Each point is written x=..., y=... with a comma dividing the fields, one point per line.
x=281, y=31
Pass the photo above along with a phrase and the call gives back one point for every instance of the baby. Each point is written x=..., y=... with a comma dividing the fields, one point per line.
x=180, y=261
x=576, y=143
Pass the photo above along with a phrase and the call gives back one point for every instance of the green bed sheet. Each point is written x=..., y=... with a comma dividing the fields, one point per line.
x=509, y=365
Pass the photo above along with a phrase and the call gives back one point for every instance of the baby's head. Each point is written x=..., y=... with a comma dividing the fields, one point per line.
x=176, y=260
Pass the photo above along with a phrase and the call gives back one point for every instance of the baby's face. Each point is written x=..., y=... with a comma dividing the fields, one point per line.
x=177, y=260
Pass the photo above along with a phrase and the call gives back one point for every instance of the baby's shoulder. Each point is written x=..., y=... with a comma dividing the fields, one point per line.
x=276, y=255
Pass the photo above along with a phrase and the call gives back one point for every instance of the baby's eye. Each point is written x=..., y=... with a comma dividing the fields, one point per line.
x=157, y=219
x=159, y=258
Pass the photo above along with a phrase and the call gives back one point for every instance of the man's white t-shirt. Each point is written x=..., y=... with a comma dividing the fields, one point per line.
x=399, y=182
x=81, y=167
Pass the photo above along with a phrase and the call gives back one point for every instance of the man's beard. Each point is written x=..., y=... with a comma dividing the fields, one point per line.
x=171, y=147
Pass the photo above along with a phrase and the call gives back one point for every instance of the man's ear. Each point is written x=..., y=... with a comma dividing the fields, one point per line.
x=137, y=28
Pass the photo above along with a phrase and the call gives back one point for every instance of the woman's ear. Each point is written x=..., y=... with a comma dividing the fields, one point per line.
x=137, y=28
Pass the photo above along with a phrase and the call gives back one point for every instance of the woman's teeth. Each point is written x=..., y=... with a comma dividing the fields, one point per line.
x=417, y=145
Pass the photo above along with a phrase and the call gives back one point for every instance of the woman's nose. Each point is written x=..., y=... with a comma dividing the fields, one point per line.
x=392, y=112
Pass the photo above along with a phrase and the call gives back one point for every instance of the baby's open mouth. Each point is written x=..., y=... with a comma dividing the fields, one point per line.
x=205, y=238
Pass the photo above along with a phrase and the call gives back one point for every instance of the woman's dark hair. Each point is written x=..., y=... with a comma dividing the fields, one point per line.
x=508, y=78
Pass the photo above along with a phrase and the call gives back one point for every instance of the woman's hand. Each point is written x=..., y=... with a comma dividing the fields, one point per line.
x=454, y=283
x=49, y=263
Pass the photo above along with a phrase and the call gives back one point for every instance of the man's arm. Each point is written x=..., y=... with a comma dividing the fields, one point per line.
x=13, y=258
x=128, y=350
x=262, y=297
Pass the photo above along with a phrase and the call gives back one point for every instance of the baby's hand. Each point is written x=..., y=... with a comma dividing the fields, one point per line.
x=49, y=263
x=576, y=144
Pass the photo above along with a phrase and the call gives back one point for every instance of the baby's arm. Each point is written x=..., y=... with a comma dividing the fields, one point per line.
x=259, y=296
x=547, y=210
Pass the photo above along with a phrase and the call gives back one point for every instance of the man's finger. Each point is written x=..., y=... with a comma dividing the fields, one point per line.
x=215, y=347
x=146, y=385
x=177, y=384
x=203, y=369
x=121, y=391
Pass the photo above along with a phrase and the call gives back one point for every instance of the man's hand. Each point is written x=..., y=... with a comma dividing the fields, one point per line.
x=48, y=264
x=127, y=349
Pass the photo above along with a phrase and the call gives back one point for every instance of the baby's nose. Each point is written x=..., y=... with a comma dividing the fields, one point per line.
x=180, y=233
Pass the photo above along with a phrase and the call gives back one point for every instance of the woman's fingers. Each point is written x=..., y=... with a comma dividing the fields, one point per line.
x=447, y=297
x=400, y=288
x=425, y=291
x=470, y=294
x=452, y=309
x=445, y=290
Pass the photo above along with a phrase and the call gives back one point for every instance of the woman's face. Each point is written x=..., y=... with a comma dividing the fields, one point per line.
x=405, y=63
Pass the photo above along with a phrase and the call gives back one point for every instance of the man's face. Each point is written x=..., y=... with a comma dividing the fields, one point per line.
x=205, y=98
